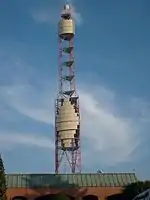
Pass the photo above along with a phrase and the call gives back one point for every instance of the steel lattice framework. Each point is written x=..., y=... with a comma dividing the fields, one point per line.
x=65, y=151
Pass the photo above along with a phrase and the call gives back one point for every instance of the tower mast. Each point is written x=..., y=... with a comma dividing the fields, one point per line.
x=67, y=115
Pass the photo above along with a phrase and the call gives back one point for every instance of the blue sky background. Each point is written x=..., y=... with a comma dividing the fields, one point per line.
x=112, y=49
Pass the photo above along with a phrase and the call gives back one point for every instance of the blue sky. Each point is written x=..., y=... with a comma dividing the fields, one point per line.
x=112, y=66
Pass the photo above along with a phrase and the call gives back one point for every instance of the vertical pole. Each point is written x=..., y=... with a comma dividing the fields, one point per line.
x=56, y=141
x=72, y=161
x=60, y=67
x=71, y=44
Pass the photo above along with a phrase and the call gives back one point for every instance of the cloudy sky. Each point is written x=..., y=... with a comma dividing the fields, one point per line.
x=112, y=49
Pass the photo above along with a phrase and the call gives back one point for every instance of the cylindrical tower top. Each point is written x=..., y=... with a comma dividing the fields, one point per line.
x=66, y=26
x=67, y=6
x=66, y=12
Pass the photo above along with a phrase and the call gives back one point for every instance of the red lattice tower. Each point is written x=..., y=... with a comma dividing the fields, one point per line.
x=67, y=115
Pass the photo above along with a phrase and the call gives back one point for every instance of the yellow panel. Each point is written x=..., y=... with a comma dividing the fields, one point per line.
x=67, y=123
x=66, y=27
x=67, y=126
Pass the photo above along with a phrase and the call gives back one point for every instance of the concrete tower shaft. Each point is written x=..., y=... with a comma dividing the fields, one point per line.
x=67, y=115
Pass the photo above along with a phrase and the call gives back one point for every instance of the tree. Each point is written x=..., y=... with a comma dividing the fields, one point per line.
x=3, y=187
x=134, y=189
x=130, y=191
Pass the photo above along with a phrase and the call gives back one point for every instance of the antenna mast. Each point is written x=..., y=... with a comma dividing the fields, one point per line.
x=67, y=115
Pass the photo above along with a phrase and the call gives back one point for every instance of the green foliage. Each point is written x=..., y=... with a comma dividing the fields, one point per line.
x=134, y=189
x=3, y=187
x=130, y=191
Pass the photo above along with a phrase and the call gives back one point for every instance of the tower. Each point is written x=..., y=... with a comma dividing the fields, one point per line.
x=67, y=115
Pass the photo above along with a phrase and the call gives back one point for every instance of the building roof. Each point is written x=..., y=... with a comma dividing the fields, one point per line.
x=70, y=180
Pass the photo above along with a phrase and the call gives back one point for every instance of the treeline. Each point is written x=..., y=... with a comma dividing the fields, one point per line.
x=134, y=189
x=130, y=191
x=3, y=187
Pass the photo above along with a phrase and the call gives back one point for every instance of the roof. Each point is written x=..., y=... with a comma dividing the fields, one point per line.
x=70, y=180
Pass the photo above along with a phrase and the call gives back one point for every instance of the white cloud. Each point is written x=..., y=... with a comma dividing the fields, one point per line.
x=51, y=15
x=11, y=140
x=29, y=102
x=141, y=109
x=44, y=15
x=76, y=15
x=111, y=137
x=108, y=134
